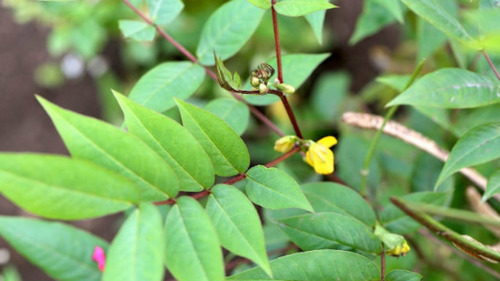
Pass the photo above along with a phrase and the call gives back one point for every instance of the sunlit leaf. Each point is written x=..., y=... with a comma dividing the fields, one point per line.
x=235, y=113
x=164, y=11
x=137, y=30
x=296, y=8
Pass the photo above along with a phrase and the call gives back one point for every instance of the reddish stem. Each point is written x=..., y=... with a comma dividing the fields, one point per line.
x=277, y=41
x=382, y=264
x=192, y=58
x=491, y=64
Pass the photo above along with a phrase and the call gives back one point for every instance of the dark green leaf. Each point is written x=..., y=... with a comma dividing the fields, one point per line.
x=451, y=88
x=403, y=275
x=93, y=140
x=235, y=113
x=192, y=248
x=297, y=8
x=137, y=30
x=62, y=251
x=159, y=86
x=238, y=224
x=136, y=252
x=316, y=20
x=373, y=18
x=225, y=148
x=329, y=94
x=61, y=188
x=393, y=7
x=493, y=186
x=274, y=189
x=187, y=158
x=164, y=11
x=321, y=265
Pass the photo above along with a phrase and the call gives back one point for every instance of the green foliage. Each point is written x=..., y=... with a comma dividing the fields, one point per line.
x=493, y=185
x=297, y=8
x=233, y=112
x=403, y=275
x=163, y=12
x=137, y=30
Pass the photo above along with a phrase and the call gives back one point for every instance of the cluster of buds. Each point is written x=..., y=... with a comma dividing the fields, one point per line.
x=260, y=77
x=395, y=244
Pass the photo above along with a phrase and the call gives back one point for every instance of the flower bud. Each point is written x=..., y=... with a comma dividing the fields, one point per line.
x=263, y=72
x=286, y=88
x=285, y=144
x=263, y=89
x=255, y=82
x=395, y=244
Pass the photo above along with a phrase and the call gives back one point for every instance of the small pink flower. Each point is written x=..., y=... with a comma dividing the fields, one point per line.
x=99, y=257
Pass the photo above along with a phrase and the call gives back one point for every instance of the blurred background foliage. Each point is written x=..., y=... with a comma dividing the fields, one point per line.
x=374, y=46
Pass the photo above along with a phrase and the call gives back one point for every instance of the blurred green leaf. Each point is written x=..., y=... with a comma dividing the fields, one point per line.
x=227, y=30
x=297, y=8
x=62, y=251
x=238, y=224
x=225, y=148
x=329, y=93
x=235, y=113
x=263, y=4
x=160, y=85
x=187, y=158
x=321, y=265
x=373, y=18
x=162, y=12
x=451, y=88
x=336, y=198
x=317, y=20
x=10, y=273
x=272, y=188
x=329, y=230
x=470, y=118
x=403, y=275
x=137, y=30
x=393, y=7
x=192, y=248
x=396, y=81
x=493, y=186
x=81, y=190
x=98, y=142
x=479, y=145
x=137, y=251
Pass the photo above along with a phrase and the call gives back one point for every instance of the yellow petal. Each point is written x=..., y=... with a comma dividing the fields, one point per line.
x=308, y=159
x=328, y=141
x=323, y=160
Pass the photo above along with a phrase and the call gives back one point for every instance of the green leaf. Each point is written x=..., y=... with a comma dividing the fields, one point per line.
x=321, y=265
x=163, y=12
x=186, y=158
x=477, y=146
x=192, y=248
x=493, y=186
x=429, y=39
x=263, y=4
x=373, y=18
x=62, y=251
x=225, y=78
x=403, y=275
x=93, y=140
x=393, y=7
x=71, y=189
x=238, y=224
x=274, y=189
x=396, y=81
x=233, y=112
x=137, y=30
x=395, y=220
x=329, y=230
x=329, y=94
x=10, y=273
x=297, y=8
x=435, y=14
x=317, y=20
x=159, y=86
x=227, y=30
x=336, y=198
x=296, y=69
x=451, y=88
x=136, y=252
x=225, y=148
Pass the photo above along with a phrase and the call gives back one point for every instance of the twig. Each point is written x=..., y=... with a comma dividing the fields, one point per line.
x=491, y=64
x=382, y=263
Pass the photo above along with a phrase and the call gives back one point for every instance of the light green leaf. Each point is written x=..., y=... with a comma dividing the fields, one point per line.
x=238, y=224
x=396, y=221
x=393, y=7
x=435, y=14
x=186, y=158
x=297, y=8
x=274, y=189
x=263, y=4
x=403, y=275
x=225, y=148
x=451, y=88
x=429, y=39
x=137, y=30
x=163, y=12
x=336, y=198
x=316, y=20
x=329, y=94
x=396, y=81
x=479, y=145
x=136, y=252
x=296, y=69
x=321, y=265
x=467, y=119
x=227, y=30
x=159, y=86
x=10, y=273
x=192, y=248
x=493, y=186
x=62, y=251
x=233, y=112
x=71, y=189
x=373, y=18
x=98, y=142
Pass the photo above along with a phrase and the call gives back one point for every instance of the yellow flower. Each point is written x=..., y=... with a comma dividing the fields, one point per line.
x=285, y=144
x=319, y=155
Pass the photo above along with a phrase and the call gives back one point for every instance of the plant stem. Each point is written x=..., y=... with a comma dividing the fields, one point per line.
x=382, y=263
x=192, y=58
x=373, y=145
x=491, y=64
x=478, y=249
x=279, y=65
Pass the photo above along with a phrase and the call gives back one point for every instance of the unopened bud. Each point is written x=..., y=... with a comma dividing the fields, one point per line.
x=285, y=144
x=263, y=71
x=255, y=82
x=395, y=244
x=263, y=89
x=286, y=88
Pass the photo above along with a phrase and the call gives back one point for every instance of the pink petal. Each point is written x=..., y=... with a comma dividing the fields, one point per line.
x=99, y=257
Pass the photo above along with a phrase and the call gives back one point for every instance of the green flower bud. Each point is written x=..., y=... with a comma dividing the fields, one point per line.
x=285, y=144
x=395, y=244
x=255, y=82
x=263, y=72
x=263, y=89
x=286, y=88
